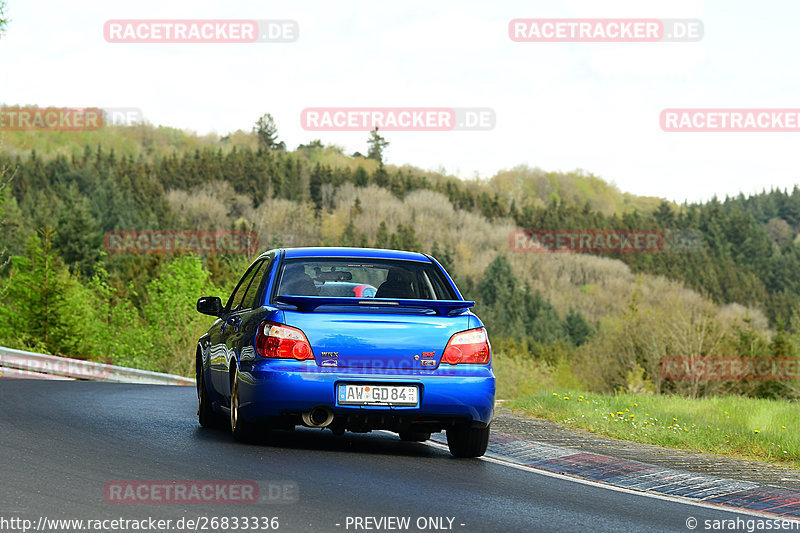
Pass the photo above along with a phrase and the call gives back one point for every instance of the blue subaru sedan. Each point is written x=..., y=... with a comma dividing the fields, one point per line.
x=409, y=357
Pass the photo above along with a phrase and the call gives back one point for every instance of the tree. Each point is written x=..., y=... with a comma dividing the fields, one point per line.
x=404, y=238
x=664, y=215
x=45, y=308
x=577, y=327
x=779, y=231
x=445, y=257
x=360, y=177
x=381, y=177
x=498, y=283
x=170, y=312
x=76, y=236
x=315, y=185
x=3, y=19
x=267, y=132
x=500, y=302
x=6, y=206
x=316, y=144
x=349, y=237
x=377, y=145
x=382, y=235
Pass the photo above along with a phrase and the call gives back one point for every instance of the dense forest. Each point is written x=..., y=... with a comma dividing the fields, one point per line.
x=727, y=282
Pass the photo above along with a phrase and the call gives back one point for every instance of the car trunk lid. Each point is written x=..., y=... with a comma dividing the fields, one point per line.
x=361, y=336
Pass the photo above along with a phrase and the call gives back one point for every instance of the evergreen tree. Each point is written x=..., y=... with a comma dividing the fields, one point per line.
x=380, y=177
x=405, y=238
x=361, y=178
x=577, y=327
x=382, y=236
x=356, y=209
x=498, y=283
x=44, y=306
x=76, y=236
x=315, y=186
x=349, y=236
x=267, y=132
x=377, y=145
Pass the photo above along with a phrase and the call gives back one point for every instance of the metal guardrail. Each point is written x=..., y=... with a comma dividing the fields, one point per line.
x=30, y=365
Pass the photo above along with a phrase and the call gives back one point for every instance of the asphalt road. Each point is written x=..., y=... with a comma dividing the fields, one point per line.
x=62, y=443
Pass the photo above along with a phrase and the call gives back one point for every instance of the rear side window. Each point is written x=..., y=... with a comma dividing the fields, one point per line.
x=237, y=300
x=249, y=299
x=364, y=278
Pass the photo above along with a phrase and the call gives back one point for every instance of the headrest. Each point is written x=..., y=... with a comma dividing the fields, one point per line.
x=397, y=275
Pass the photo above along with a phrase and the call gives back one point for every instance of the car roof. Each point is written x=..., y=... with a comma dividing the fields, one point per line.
x=366, y=253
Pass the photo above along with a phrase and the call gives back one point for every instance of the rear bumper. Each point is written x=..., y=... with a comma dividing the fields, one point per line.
x=463, y=394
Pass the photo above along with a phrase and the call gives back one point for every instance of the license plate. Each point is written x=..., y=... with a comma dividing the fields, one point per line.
x=378, y=395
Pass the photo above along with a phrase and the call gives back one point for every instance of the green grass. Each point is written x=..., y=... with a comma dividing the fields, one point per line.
x=519, y=376
x=758, y=429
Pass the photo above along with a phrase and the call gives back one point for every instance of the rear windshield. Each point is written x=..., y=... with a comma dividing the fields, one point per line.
x=363, y=278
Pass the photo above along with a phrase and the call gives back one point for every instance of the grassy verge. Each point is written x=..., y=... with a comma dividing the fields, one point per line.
x=521, y=376
x=763, y=430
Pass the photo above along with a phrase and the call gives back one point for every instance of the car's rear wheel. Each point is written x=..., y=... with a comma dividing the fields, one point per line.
x=468, y=442
x=414, y=436
x=205, y=412
x=242, y=431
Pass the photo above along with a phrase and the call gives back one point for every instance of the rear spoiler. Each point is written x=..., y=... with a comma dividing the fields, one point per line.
x=306, y=304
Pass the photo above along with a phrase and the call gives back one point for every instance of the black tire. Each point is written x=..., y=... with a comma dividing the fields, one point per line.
x=468, y=442
x=414, y=436
x=241, y=430
x=205, y=411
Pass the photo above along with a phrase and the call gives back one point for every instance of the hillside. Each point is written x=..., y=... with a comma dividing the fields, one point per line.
x=604, y=321
x=528, y=186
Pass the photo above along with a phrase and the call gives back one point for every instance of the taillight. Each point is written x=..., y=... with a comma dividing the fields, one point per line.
x=471, y=346
x=276, y=341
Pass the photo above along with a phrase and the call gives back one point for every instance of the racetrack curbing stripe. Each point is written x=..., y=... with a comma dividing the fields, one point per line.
x=641, y=476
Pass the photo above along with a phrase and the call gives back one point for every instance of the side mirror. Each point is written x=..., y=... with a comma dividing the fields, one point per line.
x=210, y=305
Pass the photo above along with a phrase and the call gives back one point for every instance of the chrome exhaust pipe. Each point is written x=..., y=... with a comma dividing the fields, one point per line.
x=318, y=417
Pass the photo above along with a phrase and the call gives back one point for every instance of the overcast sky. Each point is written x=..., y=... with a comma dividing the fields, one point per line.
x=559, y=106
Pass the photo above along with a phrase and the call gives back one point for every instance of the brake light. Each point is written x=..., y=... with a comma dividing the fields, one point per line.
x=276, y=341
x=468, y=347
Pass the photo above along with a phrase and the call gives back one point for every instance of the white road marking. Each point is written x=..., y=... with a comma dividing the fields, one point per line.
x=669, y=498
